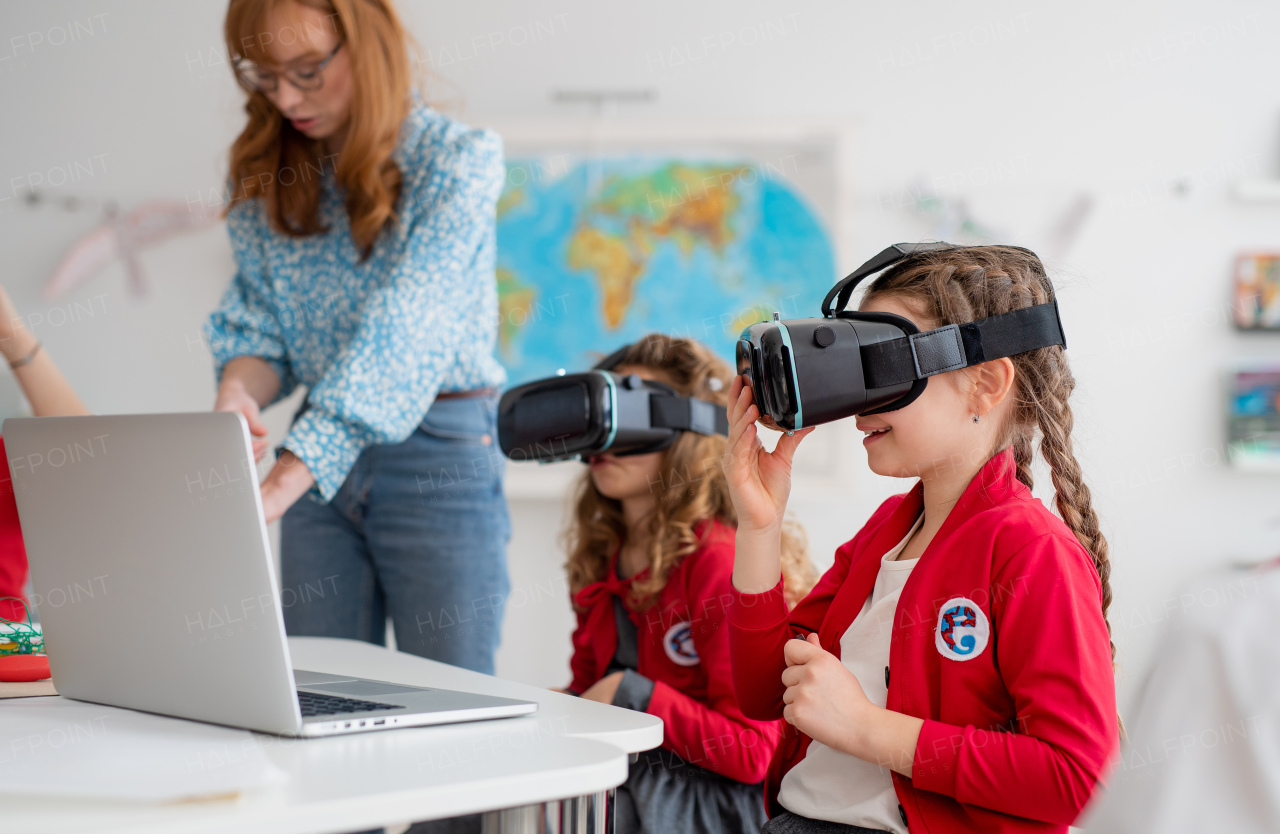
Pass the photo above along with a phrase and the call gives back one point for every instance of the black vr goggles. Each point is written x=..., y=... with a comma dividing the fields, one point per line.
x=579, y=415
x=809, y=371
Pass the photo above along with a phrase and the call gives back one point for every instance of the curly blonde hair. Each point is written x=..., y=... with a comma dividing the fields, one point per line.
x=691, y=488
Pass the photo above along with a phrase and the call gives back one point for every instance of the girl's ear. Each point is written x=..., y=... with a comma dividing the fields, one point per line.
x=992, y=382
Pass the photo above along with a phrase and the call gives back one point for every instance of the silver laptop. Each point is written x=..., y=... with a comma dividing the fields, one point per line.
x=149, y=552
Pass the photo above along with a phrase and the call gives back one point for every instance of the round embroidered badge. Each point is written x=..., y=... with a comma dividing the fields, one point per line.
x=963, y=630
x=678, y=643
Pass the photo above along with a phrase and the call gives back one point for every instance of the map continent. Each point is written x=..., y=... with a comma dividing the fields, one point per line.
x=595, y=254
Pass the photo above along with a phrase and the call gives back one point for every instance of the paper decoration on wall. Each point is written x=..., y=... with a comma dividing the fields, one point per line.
x=1065, y=228
x=951, y=218
x=123, y=236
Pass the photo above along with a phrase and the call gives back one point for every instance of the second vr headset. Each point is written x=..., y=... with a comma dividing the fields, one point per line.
x=579, y=415
x=804, y=372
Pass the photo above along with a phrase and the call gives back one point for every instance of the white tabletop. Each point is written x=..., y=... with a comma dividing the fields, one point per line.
x=563, y=714
x=570, y=747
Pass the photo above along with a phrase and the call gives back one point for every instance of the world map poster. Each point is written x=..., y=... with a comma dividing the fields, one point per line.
x=597, y=250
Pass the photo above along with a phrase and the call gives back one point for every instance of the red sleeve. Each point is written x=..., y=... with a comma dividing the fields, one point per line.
x=1053, y=651
x=759, y=628
x=582, y=664
x=13, y=554
x=715, y=734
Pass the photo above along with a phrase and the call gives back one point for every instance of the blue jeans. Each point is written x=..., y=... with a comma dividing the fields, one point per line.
x=417, y=532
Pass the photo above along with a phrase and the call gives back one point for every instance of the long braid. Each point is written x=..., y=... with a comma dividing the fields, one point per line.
x=1022, y=456
x=1052, y=383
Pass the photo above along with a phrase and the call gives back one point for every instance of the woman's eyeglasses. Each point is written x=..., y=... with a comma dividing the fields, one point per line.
x=306, y=77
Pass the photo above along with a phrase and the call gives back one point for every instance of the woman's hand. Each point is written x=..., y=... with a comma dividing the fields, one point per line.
x=759, y=481
x=233, y=396
x=825, y=701
x=604, y=689
x=287, y=481
x=248, y=384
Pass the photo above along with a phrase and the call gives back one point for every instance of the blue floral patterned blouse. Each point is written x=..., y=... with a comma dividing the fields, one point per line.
x=375, y=341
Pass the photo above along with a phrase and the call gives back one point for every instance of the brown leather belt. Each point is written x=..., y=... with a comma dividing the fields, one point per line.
x=474, y=392
x=443, y=395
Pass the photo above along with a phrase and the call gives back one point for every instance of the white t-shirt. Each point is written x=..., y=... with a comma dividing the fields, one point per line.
x=827, y=784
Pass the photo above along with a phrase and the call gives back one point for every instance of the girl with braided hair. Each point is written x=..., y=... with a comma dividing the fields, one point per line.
x=954, y=670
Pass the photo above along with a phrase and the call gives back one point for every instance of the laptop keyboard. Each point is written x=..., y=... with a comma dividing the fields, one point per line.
x=314, y=704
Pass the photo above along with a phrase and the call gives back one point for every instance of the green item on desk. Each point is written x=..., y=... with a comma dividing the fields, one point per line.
x=18, y=637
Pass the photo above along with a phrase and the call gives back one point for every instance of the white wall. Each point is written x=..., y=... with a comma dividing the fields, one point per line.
x=1012, y=107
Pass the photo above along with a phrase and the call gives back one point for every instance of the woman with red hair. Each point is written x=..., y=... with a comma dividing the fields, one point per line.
x=362, y=224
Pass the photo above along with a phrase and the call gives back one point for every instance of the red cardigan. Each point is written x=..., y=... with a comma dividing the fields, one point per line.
x=683, y=647
x=998, y=643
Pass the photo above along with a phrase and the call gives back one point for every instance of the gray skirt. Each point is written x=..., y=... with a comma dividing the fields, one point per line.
x=664, y=793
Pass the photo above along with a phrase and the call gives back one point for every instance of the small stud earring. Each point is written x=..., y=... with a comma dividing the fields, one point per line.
x=976, y=418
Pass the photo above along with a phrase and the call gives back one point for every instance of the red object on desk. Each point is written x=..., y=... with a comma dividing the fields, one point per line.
x=24, y=667
x=13, y=554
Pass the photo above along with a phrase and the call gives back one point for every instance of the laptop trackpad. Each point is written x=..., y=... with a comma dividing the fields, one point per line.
x=365, y=688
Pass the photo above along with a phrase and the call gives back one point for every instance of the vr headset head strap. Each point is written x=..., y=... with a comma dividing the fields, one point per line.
x=670, y=410
x=843, y=290
x=612, y=360
x=922, y=355
x=688, y=414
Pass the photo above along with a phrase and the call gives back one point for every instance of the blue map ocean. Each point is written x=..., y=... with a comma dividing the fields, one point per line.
x=600, y=252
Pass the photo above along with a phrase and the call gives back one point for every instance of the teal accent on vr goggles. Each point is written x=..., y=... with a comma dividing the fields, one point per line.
x=613, y=411
x=795, y=381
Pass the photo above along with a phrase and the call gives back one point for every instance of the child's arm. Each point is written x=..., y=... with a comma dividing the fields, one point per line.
x=582, y=663
x=43, y=384
x=759, y=484
x=715, y=735
x=825, y=701
x=712, y=731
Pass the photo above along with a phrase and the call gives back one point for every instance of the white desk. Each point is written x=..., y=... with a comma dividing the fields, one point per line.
x=569, y=748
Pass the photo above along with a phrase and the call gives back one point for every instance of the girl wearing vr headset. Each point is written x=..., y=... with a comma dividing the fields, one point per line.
x=953, y=670
x=650, y=556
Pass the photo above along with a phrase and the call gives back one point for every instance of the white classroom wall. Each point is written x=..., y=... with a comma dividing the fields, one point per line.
x=1153, y=110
